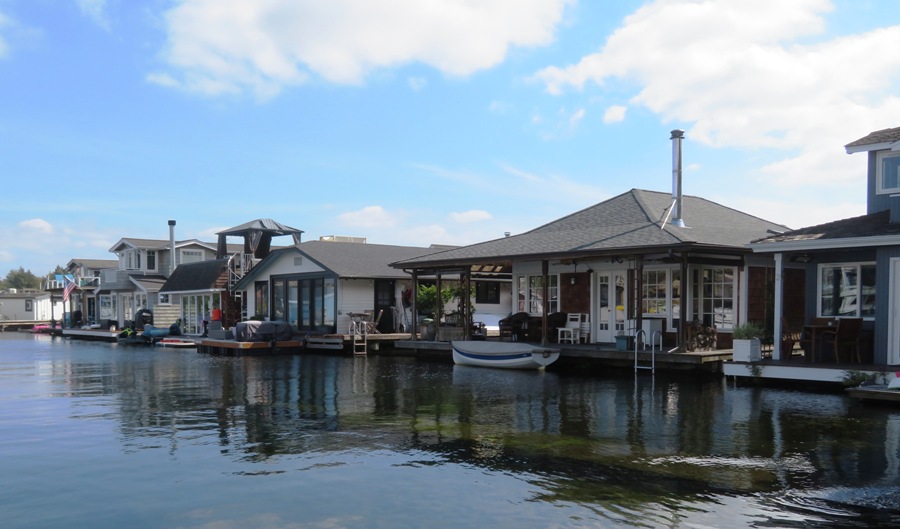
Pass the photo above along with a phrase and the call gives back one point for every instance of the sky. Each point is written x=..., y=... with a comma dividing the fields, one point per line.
x=419, y=122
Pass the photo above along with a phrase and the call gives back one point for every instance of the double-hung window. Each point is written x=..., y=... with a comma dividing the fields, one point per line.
x=847, y=289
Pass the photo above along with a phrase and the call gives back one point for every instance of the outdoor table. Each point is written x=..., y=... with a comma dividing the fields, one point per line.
x=814, y=331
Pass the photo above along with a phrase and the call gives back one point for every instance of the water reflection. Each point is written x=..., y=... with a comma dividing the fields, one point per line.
x=618, y=450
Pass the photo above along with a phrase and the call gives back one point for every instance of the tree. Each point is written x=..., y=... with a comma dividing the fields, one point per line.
x=22, y=279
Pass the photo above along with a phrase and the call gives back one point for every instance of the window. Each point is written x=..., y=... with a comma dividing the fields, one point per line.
x=714, y=289
x=261, y=298
x=661, y=295
x=531, y=291
x=654, y=293
x=847, y=289
x=887, y=172
x=130, y=260
x=487, y=292
x=29, y=306
x=151, y=259
x=107, y=307
x=164, y=299
x=191, y=256
x=307, y=303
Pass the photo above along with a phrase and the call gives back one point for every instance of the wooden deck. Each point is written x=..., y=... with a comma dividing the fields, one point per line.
x=235, y=348
x=598, y=355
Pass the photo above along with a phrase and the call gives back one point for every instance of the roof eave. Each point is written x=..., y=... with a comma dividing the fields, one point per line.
x=824, y=244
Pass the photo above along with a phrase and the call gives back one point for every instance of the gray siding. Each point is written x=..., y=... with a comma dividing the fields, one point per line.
x=882, y=301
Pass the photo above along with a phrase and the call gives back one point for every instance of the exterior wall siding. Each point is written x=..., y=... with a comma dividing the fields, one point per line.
x=883, y=301
x=354, y=295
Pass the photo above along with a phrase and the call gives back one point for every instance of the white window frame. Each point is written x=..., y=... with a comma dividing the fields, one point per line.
x=528, y=297
x=668, y=297
x=130, y=259
x=699, y=296
x=186, y=252
x=858, y=265
x=164, y=299
x=155, y=260
x=879, y=173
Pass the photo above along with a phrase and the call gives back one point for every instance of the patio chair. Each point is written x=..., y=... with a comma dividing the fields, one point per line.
x=514, y=326
x=372, y=326
x=845, y=336
x=569, y=333
x=790, y=337
x=584, y=333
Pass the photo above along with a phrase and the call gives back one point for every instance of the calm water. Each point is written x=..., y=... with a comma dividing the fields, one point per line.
x=97, y=435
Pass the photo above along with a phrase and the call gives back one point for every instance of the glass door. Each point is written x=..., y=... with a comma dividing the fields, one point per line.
x=610, y=307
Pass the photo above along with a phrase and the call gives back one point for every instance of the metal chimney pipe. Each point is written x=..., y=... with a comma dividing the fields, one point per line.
x=677, y=136
x=171, y=246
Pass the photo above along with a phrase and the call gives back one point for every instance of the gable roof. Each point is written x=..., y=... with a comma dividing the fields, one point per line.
x=632, y=222
x=150, y=284
x=193, y=277
x=93, y=264
x=355, y=260
x=874, y=229
x=876, y=141
x=163, y=244
x=347, y=260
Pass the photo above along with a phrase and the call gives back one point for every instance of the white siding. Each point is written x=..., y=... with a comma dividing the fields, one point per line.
x=354, y=295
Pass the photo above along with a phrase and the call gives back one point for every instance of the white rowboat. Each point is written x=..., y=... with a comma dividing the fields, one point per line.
x=509, y=355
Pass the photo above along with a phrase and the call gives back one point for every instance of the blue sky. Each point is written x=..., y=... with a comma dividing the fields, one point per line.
x=414, y=122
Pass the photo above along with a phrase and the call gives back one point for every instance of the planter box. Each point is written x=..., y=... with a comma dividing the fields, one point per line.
x=746, y=350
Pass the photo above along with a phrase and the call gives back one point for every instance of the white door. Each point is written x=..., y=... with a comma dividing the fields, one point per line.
x=893, y=356
x=610, y=309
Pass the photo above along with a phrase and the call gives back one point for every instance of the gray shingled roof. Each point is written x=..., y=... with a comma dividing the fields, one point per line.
x=190, y=277
x=872, y=225
x=149, y=283
x=630, y=222
x=876, y=138
x=95, y=264
x=346, y=259
x=350, y=260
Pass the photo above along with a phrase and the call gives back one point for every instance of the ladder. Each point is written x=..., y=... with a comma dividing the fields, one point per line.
x=359, y=336
x=652, y=367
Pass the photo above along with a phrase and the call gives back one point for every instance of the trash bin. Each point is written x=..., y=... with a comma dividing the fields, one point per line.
x=624, y=343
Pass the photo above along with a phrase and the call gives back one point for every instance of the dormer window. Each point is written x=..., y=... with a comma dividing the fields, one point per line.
x=887, y=172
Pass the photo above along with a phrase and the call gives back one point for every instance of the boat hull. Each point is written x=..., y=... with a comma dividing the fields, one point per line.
x=879, y=393
x=504, y=355
x=175, y=342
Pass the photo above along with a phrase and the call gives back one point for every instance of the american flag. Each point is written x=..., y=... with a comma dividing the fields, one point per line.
x=70, y=286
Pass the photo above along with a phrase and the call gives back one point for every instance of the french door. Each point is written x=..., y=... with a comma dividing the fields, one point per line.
x=610, y=306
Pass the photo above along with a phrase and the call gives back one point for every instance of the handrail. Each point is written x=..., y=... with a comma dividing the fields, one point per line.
x=653, y=350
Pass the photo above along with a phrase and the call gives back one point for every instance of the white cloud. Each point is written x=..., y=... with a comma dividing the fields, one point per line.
x=95, y=10
x=5, y=24
x=39, y=225
x=473, y=215
x=753, y=75
x=417, y=83
x=228, y=46
x=614, y=114
x=576, y=118
x=369, y=217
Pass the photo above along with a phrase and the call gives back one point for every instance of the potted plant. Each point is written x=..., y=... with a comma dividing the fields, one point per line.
x=746, y=342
